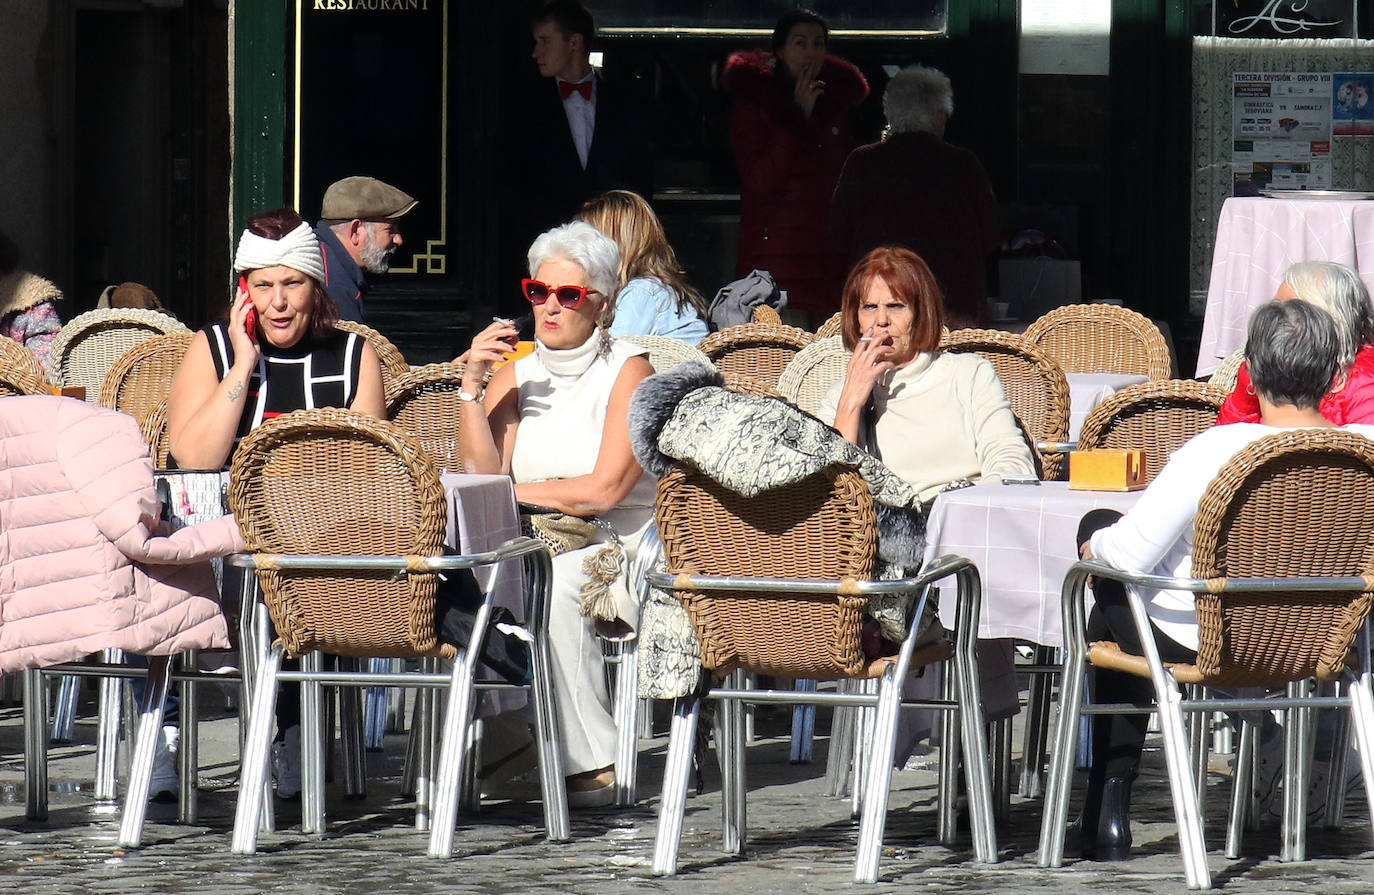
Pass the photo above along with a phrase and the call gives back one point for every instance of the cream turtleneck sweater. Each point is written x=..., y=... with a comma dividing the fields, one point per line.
x=940, y=418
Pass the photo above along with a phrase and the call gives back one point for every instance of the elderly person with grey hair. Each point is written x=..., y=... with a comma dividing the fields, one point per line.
x=555, y=421
x=1293, y=350
x=1340, y=292
x=917, y=191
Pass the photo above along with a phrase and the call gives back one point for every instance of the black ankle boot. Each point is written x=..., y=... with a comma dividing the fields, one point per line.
x=1080, y=839
x=1113, y=841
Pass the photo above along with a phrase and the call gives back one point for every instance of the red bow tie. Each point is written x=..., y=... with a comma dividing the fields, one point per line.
x=567, y=89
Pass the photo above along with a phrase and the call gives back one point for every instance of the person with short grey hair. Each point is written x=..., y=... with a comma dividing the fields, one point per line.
x=589, y=248
x=916, y=191
x=1293, y=349
x=1339, y=291
x=918, y=100
x=555, y=421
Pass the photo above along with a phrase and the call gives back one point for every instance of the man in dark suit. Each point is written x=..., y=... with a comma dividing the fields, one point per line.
x=570, y=136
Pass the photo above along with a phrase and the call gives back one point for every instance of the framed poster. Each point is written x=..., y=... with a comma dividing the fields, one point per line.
x=1281, y=131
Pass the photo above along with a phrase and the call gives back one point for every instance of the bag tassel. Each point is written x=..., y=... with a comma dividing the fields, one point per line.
x=602, y=570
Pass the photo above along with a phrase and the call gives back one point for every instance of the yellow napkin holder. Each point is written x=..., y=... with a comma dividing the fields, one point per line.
x=1107, y=470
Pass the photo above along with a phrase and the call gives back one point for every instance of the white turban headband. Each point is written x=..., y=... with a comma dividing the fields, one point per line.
x=298, y=250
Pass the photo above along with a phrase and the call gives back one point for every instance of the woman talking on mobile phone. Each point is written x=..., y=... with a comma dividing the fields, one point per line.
x=279, y=351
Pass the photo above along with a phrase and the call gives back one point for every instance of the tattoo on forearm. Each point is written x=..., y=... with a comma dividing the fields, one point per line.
x=236, y=392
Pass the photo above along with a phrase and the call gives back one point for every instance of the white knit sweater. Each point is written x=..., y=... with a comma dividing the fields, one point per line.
x=940, y=418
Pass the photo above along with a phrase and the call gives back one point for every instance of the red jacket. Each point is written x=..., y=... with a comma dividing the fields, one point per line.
x=1352, y=404
x=788, y=166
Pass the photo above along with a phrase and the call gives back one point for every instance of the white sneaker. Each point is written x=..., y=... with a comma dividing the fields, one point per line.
x=164, y=784
x=286, y=763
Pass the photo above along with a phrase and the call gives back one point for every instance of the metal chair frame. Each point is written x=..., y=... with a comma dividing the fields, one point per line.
x=1170, y=706
x=886, y=703
x=461, y=684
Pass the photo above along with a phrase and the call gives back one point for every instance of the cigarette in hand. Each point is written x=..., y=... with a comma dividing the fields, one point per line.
x=504, y=321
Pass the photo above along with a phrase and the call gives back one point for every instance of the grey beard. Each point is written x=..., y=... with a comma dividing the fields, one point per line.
x=376, y=259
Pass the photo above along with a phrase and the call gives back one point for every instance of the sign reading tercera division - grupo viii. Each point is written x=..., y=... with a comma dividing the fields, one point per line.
x=1281, y=131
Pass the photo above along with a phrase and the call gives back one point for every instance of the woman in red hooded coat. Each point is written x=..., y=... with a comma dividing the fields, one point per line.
x=791, y=133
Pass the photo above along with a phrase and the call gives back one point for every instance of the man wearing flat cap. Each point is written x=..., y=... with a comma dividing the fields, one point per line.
x=359, y=230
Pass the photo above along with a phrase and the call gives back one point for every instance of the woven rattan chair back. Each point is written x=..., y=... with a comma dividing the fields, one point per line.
x=1156, y=417
x=821, y=527
x=1296, y=504
x=766, y=314
x=831, y=327
x=424, y=402
x=1102, y=339
x=1034, y=383
x=1224, y=376
x=336, y=482
x=20, y=372
x=91, y=343
x=760, y=351
x=394, y=364
x=142, y=377
x=665, y=352
x=809, y=375
x=154, y=428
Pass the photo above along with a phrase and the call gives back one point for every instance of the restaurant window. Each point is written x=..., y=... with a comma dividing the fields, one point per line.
x=847, y=18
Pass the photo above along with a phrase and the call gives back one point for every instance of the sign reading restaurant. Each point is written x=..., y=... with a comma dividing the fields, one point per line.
x=372, y=5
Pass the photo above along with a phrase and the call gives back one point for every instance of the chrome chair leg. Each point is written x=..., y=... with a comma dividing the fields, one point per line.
x=351, y=734
x=64, y=708
x=35, y=745
x=1242, y=785
x=879, y=779
x=803, y=727
x=426, y=728
x=1297, y=758
x=107, y=731
x=730, y=748
x=1335, y=783
x=1001, y=769
x=145, y=748
x=255, y=781
x=1032, y=783
x=312, y=747
x=946, y=812
x=626, y=701
x=841, y=752
x=454, y=746
x=188, y=747
x=676, y=771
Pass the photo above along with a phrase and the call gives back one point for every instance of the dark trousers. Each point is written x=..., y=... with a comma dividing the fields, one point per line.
x=1118, y=740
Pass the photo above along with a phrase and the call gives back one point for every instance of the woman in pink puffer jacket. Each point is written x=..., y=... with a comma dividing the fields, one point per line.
x=82, y=567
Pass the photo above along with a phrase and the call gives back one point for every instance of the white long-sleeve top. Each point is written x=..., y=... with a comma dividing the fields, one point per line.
x=1155, y=537
x=940, y=418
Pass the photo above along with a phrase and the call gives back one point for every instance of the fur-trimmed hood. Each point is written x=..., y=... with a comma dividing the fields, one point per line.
x=751, y=444
x=753, y=75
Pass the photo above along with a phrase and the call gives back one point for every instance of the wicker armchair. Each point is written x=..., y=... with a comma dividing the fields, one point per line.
x=394, y=364
x=809, y=375
x=766, y=314
x=1102, y=339
x=140, y=380
x=1035, y=386
x=777, y=584
x=344, y=516
x=1283, y=576
x=831, y=327
x=424, y=402
x=1224, y=376
x=757, y=350
x=20, y=372
x=89, y=345
x=665, y=352
x=1156, y=417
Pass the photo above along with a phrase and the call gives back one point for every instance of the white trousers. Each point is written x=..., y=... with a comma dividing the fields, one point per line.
x=586, y=726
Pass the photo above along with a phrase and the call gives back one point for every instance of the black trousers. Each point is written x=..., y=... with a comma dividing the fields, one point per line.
x=1117, y=740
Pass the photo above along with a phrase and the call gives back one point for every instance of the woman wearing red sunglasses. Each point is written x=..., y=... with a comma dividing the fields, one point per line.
x=555, y=421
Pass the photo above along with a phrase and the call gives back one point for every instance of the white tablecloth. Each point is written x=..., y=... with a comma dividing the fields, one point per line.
x=1087, y=390
x=1257, y=239
x=1021, y=537
x=482, y=516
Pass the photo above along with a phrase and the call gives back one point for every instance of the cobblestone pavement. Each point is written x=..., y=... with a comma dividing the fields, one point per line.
x=799, y=841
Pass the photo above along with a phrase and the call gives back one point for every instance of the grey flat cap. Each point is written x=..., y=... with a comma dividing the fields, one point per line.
x=364, y=198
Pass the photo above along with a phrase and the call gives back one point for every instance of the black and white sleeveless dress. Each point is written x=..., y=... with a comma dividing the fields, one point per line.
x=312, y=373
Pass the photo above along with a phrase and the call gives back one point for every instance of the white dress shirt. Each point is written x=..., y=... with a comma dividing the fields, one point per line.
x=582, y=117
